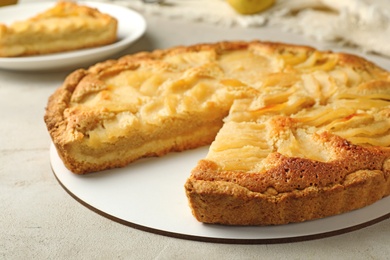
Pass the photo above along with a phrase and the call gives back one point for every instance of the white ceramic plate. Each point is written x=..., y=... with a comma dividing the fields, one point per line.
x=131, y=26
x=149, y=195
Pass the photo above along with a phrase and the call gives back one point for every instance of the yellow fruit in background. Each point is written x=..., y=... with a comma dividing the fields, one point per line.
x=250, y=6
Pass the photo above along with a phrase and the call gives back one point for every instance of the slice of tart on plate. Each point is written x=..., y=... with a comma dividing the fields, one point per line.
x=64, y=27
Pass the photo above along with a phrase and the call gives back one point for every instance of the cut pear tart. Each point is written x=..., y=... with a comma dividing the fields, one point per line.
x=64, y=27
x=296, y=133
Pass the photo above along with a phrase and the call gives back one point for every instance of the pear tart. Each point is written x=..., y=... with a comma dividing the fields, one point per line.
x=296, y=134
x=65, y=26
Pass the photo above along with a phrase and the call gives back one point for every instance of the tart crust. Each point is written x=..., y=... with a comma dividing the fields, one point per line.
x=296, y=134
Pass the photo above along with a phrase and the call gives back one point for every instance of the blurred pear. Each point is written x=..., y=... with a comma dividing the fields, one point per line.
x=250, y=6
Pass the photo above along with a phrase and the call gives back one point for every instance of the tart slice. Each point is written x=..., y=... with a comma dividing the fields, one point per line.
x=64, y=27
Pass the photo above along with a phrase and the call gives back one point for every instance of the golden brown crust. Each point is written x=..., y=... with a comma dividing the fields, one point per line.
x=305, y=133
x=220, y=202
x=294, y=173
x=295, y=190
x=64, y=27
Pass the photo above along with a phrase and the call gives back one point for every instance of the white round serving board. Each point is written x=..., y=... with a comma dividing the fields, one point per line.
x=149, y=195
x=131, y=26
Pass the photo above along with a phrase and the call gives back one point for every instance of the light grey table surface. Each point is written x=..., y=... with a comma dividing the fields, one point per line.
x=40, y=220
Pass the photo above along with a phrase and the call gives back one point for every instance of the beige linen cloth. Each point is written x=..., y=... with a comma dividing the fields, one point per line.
x=361, y=23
